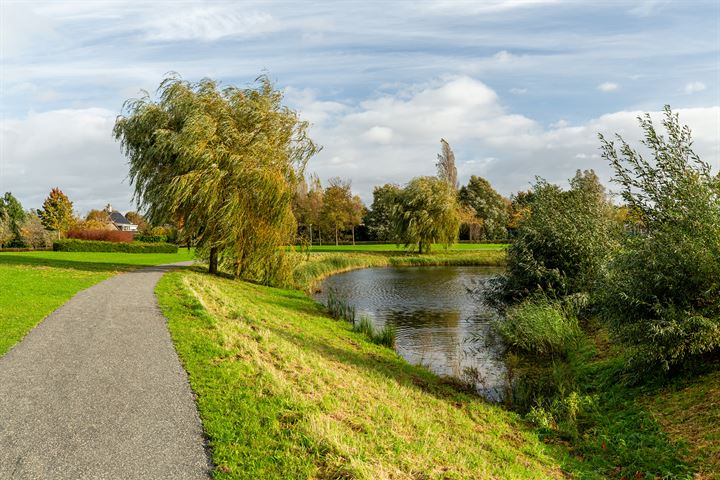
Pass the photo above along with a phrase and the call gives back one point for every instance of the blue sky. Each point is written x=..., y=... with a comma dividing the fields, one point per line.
x=519, y=88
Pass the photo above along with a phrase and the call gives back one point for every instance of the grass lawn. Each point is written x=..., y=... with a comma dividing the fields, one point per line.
x=286, y=392
x=36, y=283
x=391, y=247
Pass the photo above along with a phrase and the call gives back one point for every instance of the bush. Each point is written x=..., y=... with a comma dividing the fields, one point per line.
x=662, y=294
x=151, y=238
x=540, y=327
x=562, y=244
x=100, y=235
x=75, y=245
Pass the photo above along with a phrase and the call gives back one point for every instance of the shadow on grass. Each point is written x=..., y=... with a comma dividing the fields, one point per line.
x=15, y=259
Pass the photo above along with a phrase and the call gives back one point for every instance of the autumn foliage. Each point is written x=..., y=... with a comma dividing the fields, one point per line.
x=105, y=235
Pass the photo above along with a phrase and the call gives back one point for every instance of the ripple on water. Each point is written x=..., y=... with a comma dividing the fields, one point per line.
x=439, y=323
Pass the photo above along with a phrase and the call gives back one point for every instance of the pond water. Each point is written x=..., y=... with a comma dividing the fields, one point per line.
x=439, y=323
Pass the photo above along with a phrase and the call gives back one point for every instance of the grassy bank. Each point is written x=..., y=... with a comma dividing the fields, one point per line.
x=312, y=267
x=36, y=283
x=582, y=396
x=286, y=392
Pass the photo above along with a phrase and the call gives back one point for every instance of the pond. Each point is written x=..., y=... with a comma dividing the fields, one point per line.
x=439, y=322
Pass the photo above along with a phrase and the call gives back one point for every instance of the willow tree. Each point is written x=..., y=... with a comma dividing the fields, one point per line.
x=222, y=163
x=425, y=212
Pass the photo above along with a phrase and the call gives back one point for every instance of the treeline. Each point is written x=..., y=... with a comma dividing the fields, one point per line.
x=39, y=228
x=426, y=210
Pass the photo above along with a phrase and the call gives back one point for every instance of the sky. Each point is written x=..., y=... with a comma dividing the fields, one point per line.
x=519, y=88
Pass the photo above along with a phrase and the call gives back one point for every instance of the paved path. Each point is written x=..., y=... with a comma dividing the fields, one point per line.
x=96, y=391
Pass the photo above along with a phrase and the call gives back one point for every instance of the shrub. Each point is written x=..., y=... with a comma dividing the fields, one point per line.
x=151, y=238
x=75, y=245
x=540, y=327
x=662, y=294
x=562, y=244
x=100, y=235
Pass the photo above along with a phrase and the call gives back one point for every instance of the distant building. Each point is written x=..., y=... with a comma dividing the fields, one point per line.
x=119, y=220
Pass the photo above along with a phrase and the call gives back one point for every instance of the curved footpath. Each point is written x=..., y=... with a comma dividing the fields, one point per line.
x=96, y=391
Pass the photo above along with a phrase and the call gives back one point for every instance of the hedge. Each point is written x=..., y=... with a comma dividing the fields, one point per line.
x=151, y=238
x=72, y=245
x=100, y=235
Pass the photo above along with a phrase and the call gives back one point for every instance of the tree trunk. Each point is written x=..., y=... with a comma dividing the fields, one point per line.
x=213, y=260
x=336, y=236
x=353, y=233
x=311, y=234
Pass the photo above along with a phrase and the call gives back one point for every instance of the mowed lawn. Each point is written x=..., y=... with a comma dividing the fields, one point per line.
x=33, y=284
x=391, y=247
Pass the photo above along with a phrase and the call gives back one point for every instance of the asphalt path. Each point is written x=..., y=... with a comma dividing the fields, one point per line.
x=96, y=391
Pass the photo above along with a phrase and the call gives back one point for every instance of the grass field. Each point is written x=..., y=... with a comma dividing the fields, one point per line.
x=286, y=392
x=36, y=283
x=391, y=247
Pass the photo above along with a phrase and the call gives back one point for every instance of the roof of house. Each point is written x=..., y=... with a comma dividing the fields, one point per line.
x=119, y=219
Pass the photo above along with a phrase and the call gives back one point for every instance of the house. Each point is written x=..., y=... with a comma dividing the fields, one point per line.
x=119, y=220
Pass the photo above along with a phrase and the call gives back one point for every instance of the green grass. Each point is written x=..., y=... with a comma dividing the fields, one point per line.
x=36, y=283
x=286, y=392
x=587, y=402
x=689, y=411
x=391, y=247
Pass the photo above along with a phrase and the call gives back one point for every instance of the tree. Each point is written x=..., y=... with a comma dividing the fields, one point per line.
x=12, y=215
x=356, y=214
x=662, y=293
x=222, y=163
x=489, y=206
x=426, y=212
x=337, y=210
x=57, y=212
x=379, y=217
x=563, y=244
x=137, y=219
x=33, y=232
x=447, y=171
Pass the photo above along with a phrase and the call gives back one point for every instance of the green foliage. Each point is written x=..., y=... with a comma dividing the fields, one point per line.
x=150, y=238
x=222, y=163
x=73, y=245
x=662, y=294
x=340, y=209
x=540, y=327
x=379, y=218
x=57, y=212
x=563, y=244
x=12, y=217
x=426, y=212
x=488, y=206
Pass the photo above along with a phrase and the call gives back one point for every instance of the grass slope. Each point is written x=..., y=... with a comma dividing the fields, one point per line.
x=689, y=411
x=286, y=392
x=36, y=283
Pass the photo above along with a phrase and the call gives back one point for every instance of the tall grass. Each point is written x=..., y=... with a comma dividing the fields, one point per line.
x=339, y=307
x=540, y=327
x=385, y=336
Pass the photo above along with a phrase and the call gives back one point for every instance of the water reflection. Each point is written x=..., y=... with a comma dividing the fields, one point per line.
x=439, y=324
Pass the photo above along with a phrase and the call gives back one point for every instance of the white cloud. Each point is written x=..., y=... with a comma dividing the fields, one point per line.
x=509, y=149
x=70, y=149
x=503, y=56
x=693, y=87
x=209, y=23
x=518, y=91
x=608, y=87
